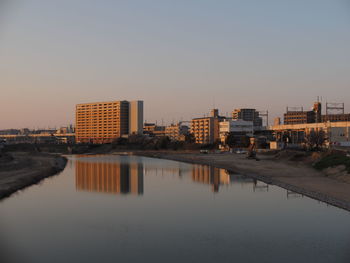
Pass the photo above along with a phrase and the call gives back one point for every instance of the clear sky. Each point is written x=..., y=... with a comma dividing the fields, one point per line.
x=180, y=56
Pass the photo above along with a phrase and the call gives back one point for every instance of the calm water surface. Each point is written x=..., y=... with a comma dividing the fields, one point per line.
x=136, y=209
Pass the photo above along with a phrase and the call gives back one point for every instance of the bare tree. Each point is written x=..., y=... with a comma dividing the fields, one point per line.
x=315, y=139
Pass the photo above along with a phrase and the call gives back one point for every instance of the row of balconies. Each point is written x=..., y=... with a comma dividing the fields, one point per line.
x=98, y=109
x=97, y=115
x=96, y=128
x=97, y=120
x=200, y=132
x=101, y=123
x=98, y=105
x=98, y=135
x=199, y=124
x=98, y=131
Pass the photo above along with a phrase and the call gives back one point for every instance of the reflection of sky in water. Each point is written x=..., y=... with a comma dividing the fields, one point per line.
x=135, y=209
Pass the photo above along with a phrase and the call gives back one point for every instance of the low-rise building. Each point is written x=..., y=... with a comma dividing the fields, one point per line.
x=313, y=116
x=301, y=116
x=205, y=130
x=248, y=115
x=177, y=132
x=237, y=127
x=149, y=127
x=336, y=133
x=154, y=130
x=336, y=117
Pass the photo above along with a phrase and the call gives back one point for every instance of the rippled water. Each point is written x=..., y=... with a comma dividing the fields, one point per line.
x=136, y=209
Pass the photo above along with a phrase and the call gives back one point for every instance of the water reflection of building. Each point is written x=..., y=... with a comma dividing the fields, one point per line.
x=210, y=175
x=106, y=177
x=260, y=186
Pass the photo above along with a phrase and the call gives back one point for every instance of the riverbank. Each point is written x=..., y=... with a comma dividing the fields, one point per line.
x=292, y=175
x=22, y=169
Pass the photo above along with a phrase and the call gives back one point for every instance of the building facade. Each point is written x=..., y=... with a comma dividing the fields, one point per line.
x=136, y=117
x=154, y=130
x=176, y=132
x=237, y=127
x=302, y=117
x=299, y=117
x=103, y=122
x=313, y=116
x=336, y=133
x=336, y=117
x=205, y=130
x=248, y=115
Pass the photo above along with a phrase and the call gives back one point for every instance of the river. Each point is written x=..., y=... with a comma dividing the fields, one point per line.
x=113, y=208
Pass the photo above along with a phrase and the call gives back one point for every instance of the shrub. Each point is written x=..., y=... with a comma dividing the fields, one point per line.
x=333, y=160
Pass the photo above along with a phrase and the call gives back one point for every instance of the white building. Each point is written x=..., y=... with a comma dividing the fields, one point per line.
x=235, y=126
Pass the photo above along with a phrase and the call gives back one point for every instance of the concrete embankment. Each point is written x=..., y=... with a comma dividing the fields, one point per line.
x=292, y=175
x=19, y=170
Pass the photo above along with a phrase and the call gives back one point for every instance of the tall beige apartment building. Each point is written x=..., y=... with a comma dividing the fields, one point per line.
x=103, y=122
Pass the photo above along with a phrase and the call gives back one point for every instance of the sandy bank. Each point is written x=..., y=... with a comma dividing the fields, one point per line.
x=291, y=175
x=19, y=170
